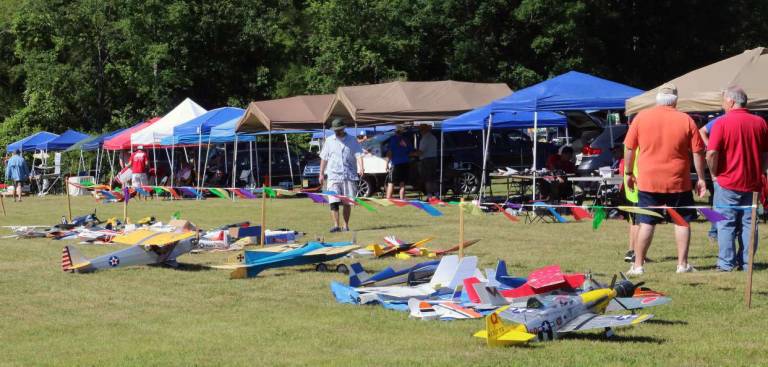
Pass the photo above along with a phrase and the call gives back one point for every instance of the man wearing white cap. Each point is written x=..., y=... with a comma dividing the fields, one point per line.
x=342, y=160
x=139, y=162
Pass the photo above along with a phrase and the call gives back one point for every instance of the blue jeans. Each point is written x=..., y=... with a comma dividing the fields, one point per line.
x=735, y=226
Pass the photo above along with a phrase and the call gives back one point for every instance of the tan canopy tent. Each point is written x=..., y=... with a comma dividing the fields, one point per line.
x=300, y=112
x=412, y=101
x=701, y=89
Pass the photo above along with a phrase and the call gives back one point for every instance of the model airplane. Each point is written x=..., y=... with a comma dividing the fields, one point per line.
x=314, y=252
x=545, y=320
x=395, y=246
x=147, y=247
x=410, y=275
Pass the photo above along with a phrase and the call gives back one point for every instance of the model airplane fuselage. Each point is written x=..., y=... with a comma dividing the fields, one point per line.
x=258, y=260
x=561, y=314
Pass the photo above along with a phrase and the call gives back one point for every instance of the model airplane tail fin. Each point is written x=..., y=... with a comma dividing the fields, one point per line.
x=498, y=333
x=356, y=275
x=501, y=269
x=377, y=250
x=72, y=259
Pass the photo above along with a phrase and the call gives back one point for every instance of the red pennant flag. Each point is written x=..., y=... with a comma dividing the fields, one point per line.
x=435, y=201
x=507, y=214
x=578, y=212
x=677, y=218
x=399, y=203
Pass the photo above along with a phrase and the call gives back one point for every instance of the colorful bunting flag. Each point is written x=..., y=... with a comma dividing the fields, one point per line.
x=427, y=208
x=557, y=215
x=677, y=218
x=317, y=198
x=712, y=215
x=270, y=192
x=636, y=210
x=126, y=194
x=399, y=203
x=507, y=214
x=382, y=202
x=598, y=216
x=218, y=193
x=578, y=212
x=365, y=205
x=176, y=215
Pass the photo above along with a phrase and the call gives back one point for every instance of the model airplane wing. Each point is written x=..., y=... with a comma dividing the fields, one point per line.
x=593, y=321
x=146, y=237
x=636, y=303
x=517, y=314
x=456, y=247
x=335, y=250
x=421, y=242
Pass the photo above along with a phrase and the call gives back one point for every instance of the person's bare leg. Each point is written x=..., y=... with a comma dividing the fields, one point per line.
x=683, y=240
x=18, y=192
x=347, y=212
x=402, y=191
x=335, y=217
x=644, y=238
x=633, y=229
x=390, y=188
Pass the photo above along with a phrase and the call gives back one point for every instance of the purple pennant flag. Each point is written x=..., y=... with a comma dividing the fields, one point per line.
x=247, y=194
x=126, y=194
x=317, y=198
x=514, y=206
x=712, y=215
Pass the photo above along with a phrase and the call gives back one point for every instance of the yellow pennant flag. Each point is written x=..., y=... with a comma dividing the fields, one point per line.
x=471, y=209
x=636, y=210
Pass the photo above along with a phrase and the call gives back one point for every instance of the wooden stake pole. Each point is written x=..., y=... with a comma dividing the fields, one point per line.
x=752, y=240
x=69, y=201
x=461, y=228
x=2, y=203
x=125, y=209
x=263, y=214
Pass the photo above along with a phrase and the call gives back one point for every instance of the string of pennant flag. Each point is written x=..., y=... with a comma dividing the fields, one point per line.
x=512, y=211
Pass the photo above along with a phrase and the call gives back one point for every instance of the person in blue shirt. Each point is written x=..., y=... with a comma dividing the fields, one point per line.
x=399, y=157
x=704, y=132
x=16, y=171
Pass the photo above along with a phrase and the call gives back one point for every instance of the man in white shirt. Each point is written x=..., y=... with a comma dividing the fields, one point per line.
x=342, y=160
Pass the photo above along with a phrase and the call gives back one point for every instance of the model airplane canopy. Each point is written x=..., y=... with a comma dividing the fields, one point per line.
x=180, y=114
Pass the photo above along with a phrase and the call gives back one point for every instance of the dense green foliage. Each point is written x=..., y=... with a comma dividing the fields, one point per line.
x=97, y=65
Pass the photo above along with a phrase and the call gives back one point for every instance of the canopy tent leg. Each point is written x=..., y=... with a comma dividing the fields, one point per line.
x=205, y=166
x=234, y=167
x=250, y=161
x=199, y=152
x=98, y=164
x=487, y=142
x=154, y=161
x=535, y=149
x=173, y=165
x=288, y=150
x=269, y=157
x=258, y=171
x=442, y=145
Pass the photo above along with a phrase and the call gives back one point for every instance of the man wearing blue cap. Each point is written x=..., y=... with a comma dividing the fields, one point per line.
x=16, y=171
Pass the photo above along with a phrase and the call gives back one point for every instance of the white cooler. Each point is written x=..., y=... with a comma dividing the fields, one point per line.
x=77, y=191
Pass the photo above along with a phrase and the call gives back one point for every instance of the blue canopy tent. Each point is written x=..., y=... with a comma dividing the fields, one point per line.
x=30, y=143
x=478, y=119
x=95, y=143
x=572, y=91
x=63, y=141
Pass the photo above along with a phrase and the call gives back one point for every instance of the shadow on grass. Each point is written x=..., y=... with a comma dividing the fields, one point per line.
x=667, y=322
x=187, y=267
x=377, y=228
x=616, y=338
x=674, y=258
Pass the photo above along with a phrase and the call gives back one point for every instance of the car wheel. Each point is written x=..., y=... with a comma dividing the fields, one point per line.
x=365, y=187
x=467, y=183
x=321, y=267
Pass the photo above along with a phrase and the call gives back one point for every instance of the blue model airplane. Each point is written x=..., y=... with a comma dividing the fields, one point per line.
x=411, y=275
x=257, y=260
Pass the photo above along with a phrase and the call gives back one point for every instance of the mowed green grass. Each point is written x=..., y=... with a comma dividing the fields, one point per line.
x=197, y=316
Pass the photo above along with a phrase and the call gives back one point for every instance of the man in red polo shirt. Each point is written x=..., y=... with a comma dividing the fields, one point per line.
x=736, y=155
x=665, y=139
x=139, y=162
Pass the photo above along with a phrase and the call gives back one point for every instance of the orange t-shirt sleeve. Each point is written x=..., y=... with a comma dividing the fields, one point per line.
x=697, y=143
x=630, y=141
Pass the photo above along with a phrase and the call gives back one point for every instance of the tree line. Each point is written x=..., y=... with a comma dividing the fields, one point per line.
x=97, y=65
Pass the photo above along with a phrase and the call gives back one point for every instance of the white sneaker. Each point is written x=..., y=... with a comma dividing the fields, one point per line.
x=635, y=271
x=687, y=268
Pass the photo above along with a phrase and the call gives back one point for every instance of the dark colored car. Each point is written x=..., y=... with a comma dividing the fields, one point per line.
x=286, y=171
x=598, y=153
x=462, y=160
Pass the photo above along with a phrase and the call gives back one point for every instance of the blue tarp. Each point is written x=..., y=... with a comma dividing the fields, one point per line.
x=63, y=141
x=572, y=91
x=203, y=123
x=30, y=143
x=477, y=119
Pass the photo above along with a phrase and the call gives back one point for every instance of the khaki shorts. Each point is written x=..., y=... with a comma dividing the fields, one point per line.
x=139, y=180
x=347, y=188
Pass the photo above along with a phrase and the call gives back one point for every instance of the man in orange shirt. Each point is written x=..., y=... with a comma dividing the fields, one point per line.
x=665, y=139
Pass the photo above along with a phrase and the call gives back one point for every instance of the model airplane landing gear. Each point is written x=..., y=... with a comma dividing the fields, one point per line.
x=342, y=268
x=321, y=268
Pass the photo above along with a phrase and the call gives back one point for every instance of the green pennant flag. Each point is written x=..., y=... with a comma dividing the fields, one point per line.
x=471, y=209
x=453, y=202
x=218, y=193
x=365, y=205
x=87, y=183
x=176, y=215
x=598, y=216
x=270, y=192
x=157, y=189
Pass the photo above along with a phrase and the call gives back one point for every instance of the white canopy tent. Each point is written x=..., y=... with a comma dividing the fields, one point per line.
x=182, y=113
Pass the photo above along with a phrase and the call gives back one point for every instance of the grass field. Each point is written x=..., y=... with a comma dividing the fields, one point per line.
x=197, y=316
